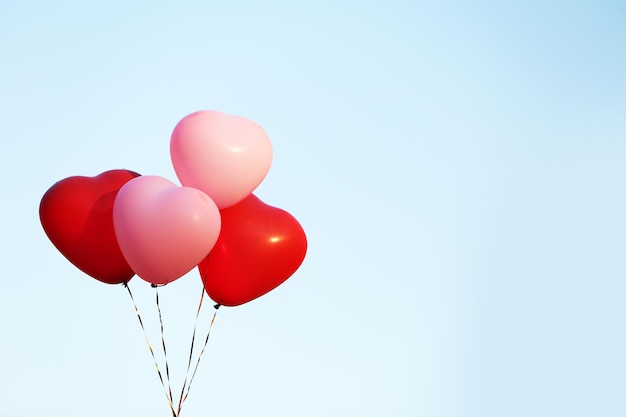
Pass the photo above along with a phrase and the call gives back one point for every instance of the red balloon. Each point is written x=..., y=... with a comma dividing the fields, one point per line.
x=77, y=215
x=259, y=247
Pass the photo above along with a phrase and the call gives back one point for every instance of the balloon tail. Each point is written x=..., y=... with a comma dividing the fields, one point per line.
x=193, y=341
x=167, y=366
x=187, y=386
x=158, y=369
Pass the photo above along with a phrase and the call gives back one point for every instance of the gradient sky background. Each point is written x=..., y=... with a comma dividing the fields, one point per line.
x=459, y=168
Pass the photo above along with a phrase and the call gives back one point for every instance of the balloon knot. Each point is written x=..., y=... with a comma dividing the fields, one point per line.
x=216, y=306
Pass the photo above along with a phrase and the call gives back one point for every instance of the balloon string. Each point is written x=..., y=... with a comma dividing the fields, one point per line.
x=206, y=340
x=167, y=366
x=169, y=399
x=193, y=341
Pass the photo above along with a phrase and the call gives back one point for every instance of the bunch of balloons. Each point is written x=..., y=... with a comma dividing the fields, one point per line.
x=120, y=223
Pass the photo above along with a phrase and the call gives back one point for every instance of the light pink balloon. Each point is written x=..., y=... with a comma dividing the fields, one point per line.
x=164, y=230
x=225, y=156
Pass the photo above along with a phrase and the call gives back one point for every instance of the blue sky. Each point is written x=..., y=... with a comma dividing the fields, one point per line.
x=458, y=167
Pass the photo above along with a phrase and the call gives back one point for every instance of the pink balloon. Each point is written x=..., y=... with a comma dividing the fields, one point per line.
x=164, y=230
x=225, y=156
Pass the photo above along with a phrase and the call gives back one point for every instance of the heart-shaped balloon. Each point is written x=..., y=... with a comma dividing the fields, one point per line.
x=225, y=156
x=164, y=230
x=259, y=247
x=77, y=215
